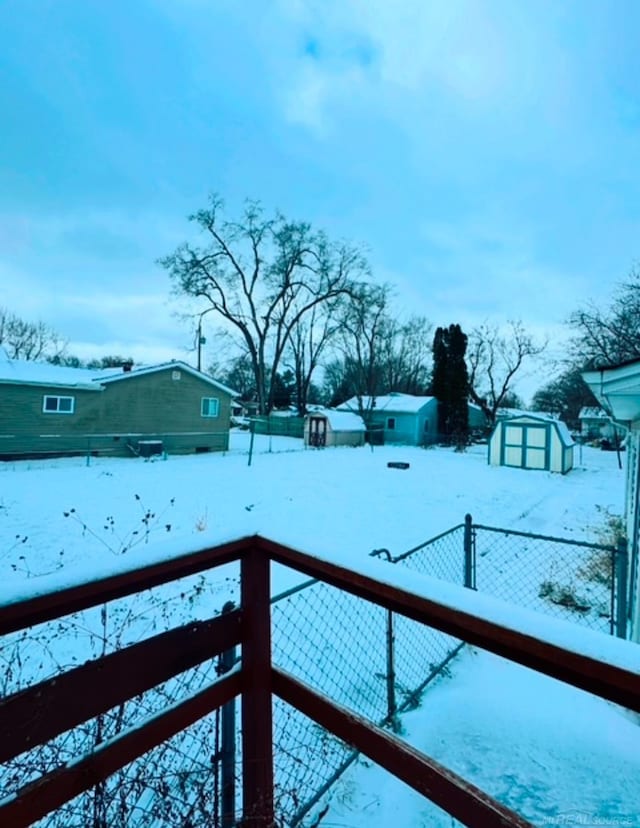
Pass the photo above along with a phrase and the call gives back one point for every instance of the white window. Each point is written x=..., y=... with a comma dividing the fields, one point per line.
x=58, y=405
x=209, y=407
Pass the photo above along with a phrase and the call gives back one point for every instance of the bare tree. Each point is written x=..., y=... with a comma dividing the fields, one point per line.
x=405, y=356
x=364, y=328
x=262, y=276
x=379, y=352
x=30, y=341
x=612, y=335
x=309, y=339
x=494, y=359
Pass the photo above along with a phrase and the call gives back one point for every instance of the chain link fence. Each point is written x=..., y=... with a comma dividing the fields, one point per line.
x=179, y=782
x=582, y=582
x=362, y=656
x=567, y=579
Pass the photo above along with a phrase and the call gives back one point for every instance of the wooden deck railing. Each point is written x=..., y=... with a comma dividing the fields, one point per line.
x=77, y=695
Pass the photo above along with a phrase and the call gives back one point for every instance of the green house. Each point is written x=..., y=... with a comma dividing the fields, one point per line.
x=52, y=410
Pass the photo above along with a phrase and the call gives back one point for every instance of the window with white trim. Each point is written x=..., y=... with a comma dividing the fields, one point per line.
x=209, y=407
x=58, y=405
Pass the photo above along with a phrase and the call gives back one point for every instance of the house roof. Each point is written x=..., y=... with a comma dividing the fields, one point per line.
x=116, y=375
x=592, y=412
x=22, y=372
x=617, y=389
x=340, y=420
x=394, y=403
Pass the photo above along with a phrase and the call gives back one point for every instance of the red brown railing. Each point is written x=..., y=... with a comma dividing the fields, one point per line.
x=51, y=707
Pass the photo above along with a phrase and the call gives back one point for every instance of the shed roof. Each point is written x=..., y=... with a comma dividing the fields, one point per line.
x=341, y=420
x=394, y=402
x=559, y=425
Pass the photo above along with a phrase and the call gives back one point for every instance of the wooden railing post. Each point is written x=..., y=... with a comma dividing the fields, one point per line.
x=257, y=715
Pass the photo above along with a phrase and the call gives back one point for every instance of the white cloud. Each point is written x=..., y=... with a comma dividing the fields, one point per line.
x=486, y=59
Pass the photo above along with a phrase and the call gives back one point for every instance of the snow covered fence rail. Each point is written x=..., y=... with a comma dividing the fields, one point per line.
x=42, y=712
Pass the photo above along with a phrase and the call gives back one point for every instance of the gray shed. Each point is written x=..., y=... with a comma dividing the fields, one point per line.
x=327, y=427
x=530, y=441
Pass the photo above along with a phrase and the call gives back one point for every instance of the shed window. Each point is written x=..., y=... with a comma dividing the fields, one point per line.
x=58, y=405
x=209, y=407
x=391, y=423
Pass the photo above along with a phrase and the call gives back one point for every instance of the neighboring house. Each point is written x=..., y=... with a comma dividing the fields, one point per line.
x=595, y=424
x=48, y=409
x=407, y=419
x=328, y=427
x=617, y=389
x=477, y=417
x=404, y=418
x=532, y=441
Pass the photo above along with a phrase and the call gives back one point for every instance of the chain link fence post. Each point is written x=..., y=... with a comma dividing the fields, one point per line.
x=469, y=554
x=621, y=587
x=392, y=706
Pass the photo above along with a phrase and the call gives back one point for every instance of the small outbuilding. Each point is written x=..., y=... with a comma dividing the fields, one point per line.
x=531, y=441
x=327, y=427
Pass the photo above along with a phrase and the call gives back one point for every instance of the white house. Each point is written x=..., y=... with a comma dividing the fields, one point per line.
x=617, y=389
x=596, y=424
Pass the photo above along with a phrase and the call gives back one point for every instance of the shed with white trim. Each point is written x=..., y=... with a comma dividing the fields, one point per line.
x=531, y=441
x=328, y=427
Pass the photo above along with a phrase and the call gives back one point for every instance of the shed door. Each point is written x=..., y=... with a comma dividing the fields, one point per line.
x=317, y=431
x=526, y=446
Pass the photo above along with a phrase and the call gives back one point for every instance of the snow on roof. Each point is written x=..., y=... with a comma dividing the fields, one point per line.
x=395, y=402
x=43, y=373
x=503, y=413
x=114, y=375
x=592, y=413
x=24, y=372
x=342, y=420
x=565, y=434
x=562, y=428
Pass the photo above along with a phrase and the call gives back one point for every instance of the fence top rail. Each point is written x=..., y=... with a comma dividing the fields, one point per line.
x=567, y=541
x=589, y=660
x=420, y=546
x=19, y=612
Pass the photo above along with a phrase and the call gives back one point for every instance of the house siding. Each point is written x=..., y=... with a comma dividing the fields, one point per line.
x=113, y=418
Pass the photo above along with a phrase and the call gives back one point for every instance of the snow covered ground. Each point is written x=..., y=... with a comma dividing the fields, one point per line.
x=541, y=747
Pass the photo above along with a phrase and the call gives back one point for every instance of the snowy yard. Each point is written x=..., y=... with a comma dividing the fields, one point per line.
x=543, y=748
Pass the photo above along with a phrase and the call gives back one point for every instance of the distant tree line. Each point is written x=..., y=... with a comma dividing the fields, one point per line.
x=38, y=342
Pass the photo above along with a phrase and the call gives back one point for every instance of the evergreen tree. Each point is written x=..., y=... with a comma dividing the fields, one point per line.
x=450, y=384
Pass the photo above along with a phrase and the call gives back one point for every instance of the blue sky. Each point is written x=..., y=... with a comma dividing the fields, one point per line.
x=485, y=153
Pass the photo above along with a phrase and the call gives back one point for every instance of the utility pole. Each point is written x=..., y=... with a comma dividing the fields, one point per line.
x=200, y=341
